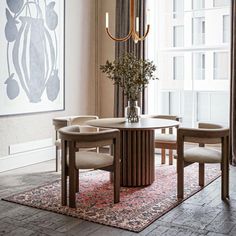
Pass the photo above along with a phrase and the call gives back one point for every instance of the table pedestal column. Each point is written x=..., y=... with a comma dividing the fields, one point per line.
x=137, y=158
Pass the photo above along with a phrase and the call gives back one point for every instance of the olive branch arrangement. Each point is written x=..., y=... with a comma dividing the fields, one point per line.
x=130, y=73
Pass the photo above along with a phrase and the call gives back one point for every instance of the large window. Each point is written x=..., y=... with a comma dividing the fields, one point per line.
x=221, y=65
x=198, y=66
x=221, y=3
x=192, y=58
x=178, y=36
x=178, y=8
x=226, y=28
x=198, y=4
x=198, y=30
x=212, y=106
x=178, y=67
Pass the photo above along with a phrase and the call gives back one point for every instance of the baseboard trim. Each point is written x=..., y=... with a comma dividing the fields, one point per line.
x=18, y=160
x=30, y=146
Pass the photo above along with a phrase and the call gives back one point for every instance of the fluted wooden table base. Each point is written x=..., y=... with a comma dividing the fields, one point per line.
x=137, y=157
x=137, y=147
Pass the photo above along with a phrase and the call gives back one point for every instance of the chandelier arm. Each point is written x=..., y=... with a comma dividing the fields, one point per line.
x=136, y=37
x=119, y=39
x=132, y=33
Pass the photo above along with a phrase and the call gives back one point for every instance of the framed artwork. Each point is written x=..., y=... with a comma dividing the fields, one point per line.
x=32, y=56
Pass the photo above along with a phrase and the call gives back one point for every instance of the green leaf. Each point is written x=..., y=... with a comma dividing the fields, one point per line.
x=130, y=73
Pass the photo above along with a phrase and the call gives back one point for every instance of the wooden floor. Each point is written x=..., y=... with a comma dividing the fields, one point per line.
x=202, y=214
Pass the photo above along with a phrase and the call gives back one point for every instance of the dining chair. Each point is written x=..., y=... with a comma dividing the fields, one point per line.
x=166, y=139
x=73, y=120
x=72, y=160
x=206, y=133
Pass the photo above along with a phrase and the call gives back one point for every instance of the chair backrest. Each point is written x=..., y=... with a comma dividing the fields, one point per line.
x=167, y=117
x=89, y=139
x=203, y=125
x=210, y=126
x=207, y=134
x=60, y=122
x=81, y=120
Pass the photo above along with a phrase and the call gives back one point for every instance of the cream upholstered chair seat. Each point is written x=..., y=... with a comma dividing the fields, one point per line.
x=165, y=138
x=91, y=160
x=202, y=155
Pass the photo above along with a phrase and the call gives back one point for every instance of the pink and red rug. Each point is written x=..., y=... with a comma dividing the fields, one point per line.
x=138, y=207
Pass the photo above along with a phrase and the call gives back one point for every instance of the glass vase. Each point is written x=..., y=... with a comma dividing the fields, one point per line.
x=132, y=112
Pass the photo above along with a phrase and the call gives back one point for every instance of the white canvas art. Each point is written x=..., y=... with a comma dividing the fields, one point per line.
x=32, y=56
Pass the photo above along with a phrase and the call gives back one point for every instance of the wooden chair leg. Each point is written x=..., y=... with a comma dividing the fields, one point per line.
x=170, y=157
x=111, y=152
x=227, y=180
x=225, y=170
x=77, y=181
x=201, y=177
x=116, y=187
x=72, y=176
x=163, y=156
x=180, y=179
x=72, y=187
x=63, y=175
x=57, y=161
x=112, y=177
x=116, y=172
x=223, y=182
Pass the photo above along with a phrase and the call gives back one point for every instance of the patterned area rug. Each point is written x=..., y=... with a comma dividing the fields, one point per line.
x=138, y=207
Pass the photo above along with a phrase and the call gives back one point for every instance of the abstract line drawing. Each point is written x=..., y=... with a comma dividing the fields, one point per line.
x=32, y=46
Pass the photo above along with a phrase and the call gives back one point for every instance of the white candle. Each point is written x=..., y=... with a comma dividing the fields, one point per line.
x=148, y=16
x=107, y=20
x=137, y=24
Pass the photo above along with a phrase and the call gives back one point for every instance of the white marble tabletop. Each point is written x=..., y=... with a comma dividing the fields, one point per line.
x=143, y=124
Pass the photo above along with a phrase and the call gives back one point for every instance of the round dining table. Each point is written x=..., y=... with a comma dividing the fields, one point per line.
x=137, y=147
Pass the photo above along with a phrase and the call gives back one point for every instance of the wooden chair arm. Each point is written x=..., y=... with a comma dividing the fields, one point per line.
x=202, y=133
x=89, y=139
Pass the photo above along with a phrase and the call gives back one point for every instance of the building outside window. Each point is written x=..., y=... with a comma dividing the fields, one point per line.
x=221, y=66
x=178, y=67
x=178, y=36
x=198, y=4
x=198, y=30
x=198, y=66
x=192, y=57
x=226, y=28
x=178, y=8
x=221, y=3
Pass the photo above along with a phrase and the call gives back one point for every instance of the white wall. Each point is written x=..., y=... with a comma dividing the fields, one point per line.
x=80, y=80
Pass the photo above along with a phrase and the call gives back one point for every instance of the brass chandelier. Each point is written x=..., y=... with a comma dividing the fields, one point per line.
x=134, y=28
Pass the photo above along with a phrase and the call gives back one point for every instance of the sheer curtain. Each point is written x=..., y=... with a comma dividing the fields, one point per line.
x=122, y=29
x=192, y=58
